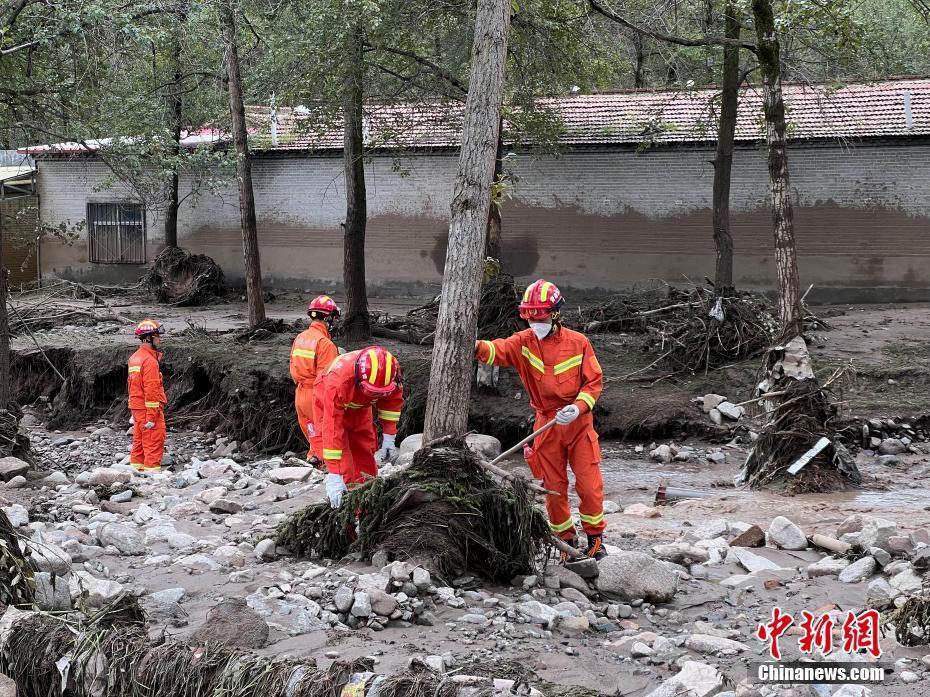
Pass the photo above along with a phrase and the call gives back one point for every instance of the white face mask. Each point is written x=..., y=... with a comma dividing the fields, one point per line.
x=541, y=329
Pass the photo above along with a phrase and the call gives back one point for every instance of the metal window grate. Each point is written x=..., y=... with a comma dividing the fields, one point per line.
x=116, y=233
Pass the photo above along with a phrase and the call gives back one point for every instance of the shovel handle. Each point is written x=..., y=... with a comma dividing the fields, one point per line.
x=533, y=435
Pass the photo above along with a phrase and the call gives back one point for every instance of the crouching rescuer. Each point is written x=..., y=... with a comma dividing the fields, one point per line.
x=312, y=353
x=564, y=380
x=343, y=399
x=147, y=400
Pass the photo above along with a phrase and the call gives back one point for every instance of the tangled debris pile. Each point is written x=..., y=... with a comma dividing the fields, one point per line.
x=627, y=312
x=444, y=510
x=178, y=277
x=16, y=583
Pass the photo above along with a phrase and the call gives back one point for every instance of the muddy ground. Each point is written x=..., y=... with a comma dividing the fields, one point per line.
x=886, y=346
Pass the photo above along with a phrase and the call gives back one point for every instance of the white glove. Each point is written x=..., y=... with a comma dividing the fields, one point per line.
x=149, y=425
x=335, y=488
x=565, y=415
x=387, y=449
x=132, y=420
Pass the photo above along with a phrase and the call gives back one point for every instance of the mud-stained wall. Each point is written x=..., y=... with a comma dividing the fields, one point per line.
x=595, y=219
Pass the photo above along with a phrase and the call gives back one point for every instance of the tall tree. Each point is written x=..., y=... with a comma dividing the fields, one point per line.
x=723, y=161
x=4, y=328
x=253, y=273
x=175, y=116
x=453, y=349
x=786, y=254
x=357, y=323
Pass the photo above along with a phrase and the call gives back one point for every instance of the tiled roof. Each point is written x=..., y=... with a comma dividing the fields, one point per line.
x=887, y=109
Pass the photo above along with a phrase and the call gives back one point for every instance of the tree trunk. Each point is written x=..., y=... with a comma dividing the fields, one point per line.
x=357, y=324
x=786, y=256
x=453, y=348
x=639, y=79
x=253, y=273
x=4, y=328
x=723, y=162
x=174, y=115
x=495, y=241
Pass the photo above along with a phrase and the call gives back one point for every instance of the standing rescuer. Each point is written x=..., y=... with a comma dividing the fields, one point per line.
x=343, y=397
x=147, y=400
x=564, y=380
x=312, y=353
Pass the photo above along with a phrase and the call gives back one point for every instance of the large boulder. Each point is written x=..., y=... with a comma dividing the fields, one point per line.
x=125, y=539
x=487, y=447
x=12, y=467
x=52, y=592
x=786, y=535
x=633, y=575
x=233, y=623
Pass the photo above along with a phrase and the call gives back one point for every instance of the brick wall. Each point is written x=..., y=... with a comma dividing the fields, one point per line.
x=595, y=219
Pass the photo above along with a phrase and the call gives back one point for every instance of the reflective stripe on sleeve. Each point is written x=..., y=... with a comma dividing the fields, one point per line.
x=153, y=405
x=587, y=399
x=534, y=360
x=492, y=351
x=388, y=415
x=332, y=454
x=304, y=353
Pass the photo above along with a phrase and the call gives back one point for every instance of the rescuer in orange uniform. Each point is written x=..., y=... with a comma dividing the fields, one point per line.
x=311, y=354
x=147, y=399
x=564, y=380
x=343, y=397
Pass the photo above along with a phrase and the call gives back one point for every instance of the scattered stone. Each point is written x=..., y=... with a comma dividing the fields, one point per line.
x=56, y=479
x=382, y=603
x=888, y=460
x=785, y=534
x=853, y=523
x=287, y=475
x=52, y=592
x=662, y=454
x=361, y=607
x=716, y=417
x=574, y=625
x=708, y=644
x=343, y=599
x=93, y=591
x=907, y=582
x=710, y=401
x=225, y=506
x=586, y=568
x=734, y=412
x=641, y=510
x=611, y=507
x=537, y=613
x=876, y=533
x=892, y=446
x=125, y=539
x=233, y=623
x=881, y=557
x=718, y=457
x=107, y=476
x=828, y=566
x=12, y=467
x=17, y=482
x=880, y=593
x=17, y=515
x=909, y=676
x=694, y=680
x=681, y=553
x=199, y=563
x=753, y=537
x=421, y=578
x=7, y=687
x=751, y=561
x=858, y=571
x=266, y=550
x=633, y=575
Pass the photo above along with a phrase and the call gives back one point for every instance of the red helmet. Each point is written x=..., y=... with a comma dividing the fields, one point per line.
x=324, y=306
x=147, y=327
x=541, y=300
x=376, y=370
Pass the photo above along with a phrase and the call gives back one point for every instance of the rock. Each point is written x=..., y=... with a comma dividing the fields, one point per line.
x=361, y=606
x=681, y=553
x=198, y=562
x=568, y=609
x=876, y=533
x=750, y=561
x=888, y=460
x=907, y=582
x=880, y=593
x=693, y=680
x=399, y=571
x=382, y=603
x=343, y=599
x=900, y=544
x=858, y=571
x=266, y=550
x=180, y=540
x=708, y=644
x=50, y=558
x=288, y=475
x=565, y=579
x=56, y=479
x=537, y=613
x=12, y=467
x=734, y=412
x=633, y=575
x=229, y=556
x=717, y=457
x=881, y=557
x=716, y=417
x=573, y=625
x=225, y=506
x=421, y=578
x=233, y=623
x=93, y=591
x=17, y=482
x=125, y=539
x=7, y=687
x=169, y=596
x=784, y=534
x=640, y=650
x=641, y=510
x=909, y=676
x=662, y=454
x=17, y=515
x=892, y=446
x=828, y=566
x=212, y=494
x=107, y=476
x=585, y=568
x=611, y=507
x=122, y=497
x=853, y=523
x=52, y=592
x=487, y=447
x=753, y=537
x=710, y=401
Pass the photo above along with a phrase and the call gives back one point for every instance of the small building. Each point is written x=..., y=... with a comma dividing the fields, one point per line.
x=626, y=198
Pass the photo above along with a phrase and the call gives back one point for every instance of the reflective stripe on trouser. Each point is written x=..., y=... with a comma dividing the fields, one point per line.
x=303, y=404
x=148, y=444
x=577, y=445
x=359, y=443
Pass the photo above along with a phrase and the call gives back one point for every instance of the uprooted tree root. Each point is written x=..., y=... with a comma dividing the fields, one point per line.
x=798, y=414
x=12, y=442
x=178, y=277
x=444, y=511
x=16, y=582
x=911, y=622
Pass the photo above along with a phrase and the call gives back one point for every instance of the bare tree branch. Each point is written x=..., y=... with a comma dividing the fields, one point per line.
x=436, y=69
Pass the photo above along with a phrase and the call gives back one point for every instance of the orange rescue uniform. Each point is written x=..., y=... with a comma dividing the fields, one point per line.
x=311, y=354
x=147, y=402
x=342, y=413
x=557, y=371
